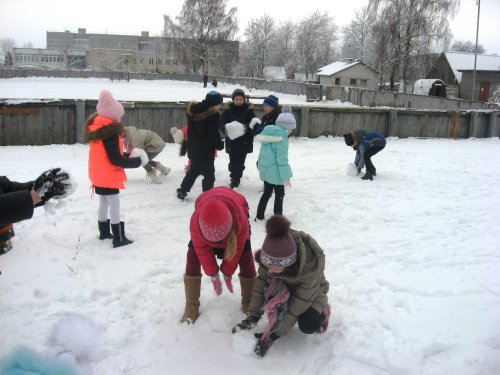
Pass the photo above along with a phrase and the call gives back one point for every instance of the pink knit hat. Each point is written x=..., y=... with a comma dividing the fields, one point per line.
x=215, y=220
x=108, y=107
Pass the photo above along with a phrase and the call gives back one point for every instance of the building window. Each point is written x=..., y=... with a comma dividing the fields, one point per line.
x=151, y=61
x=167, y=62
x=141, y=60
x=363, y=82
x=353, y=81
x=174, y=62
x=337, y=81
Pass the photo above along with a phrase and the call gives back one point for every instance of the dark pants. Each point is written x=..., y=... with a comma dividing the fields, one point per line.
x=205, y=168
x=279, y=195
x=370, y=168
x=236, y=167
x=310, y=321
x=246, y=263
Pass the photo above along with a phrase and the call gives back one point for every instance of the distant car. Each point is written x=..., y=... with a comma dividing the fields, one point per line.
x=429, y=87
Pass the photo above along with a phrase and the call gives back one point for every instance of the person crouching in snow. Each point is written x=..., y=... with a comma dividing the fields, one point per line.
x=204, y=140
x=153, y=144
x=290, y=287
x=103, y=130
x=366, y=145
x=219, y=228
x=273, y=164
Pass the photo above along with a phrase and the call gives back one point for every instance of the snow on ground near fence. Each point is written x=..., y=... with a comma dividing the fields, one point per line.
x=17, y=90
x=412, y=257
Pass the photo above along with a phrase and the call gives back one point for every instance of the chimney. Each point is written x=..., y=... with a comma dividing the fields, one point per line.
x=145, y=34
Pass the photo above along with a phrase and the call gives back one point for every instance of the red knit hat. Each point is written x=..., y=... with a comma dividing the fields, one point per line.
x=215, y=220
x=108, y=107
x=279, y=248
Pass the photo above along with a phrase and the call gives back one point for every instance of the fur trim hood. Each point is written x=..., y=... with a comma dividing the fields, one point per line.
x=200, y=111
x=98, y=128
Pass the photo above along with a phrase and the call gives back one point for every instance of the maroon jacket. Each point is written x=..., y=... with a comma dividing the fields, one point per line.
x=237, y=205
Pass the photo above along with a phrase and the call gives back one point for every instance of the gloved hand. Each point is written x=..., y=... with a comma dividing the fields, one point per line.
x=254, y=121
x=246, y=324
x=263, y=346
x=229, y=282
x=140, y=153
x=217, y=284
x=287, y=183
x=52, y=183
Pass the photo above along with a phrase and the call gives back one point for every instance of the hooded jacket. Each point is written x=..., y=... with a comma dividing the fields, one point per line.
x=308, y=288
x=106, y=160
x=273, y=156
x=203, y=131
x=145, y=139
x=237, y=205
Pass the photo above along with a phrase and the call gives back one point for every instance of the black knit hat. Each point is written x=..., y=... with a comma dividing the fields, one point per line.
x=238, y=92
x=213, y=98
x=349, y=141
x=279, y=248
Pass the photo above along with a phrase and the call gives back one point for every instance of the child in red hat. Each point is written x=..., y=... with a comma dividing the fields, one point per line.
x=219, y=228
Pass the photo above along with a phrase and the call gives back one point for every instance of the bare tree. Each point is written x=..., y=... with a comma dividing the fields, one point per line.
x=201, y=26
x=6, y=48
x=315, y=39
x=357, y=41
x=466, y=46
x=282, y=53
x=406, y=27
x=259, y=37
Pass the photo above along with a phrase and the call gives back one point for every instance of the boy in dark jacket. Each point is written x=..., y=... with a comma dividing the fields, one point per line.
x=204, y=139
x=366, y=145
x=235, y=123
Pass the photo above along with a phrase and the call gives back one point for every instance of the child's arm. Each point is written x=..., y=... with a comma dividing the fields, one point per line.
x=112, y=147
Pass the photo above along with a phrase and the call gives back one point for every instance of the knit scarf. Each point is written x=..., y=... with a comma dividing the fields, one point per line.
x=277, y=295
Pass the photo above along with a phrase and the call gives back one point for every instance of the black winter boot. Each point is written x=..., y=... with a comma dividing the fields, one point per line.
x=367, y=176
x=104, y=230
x=119, y=238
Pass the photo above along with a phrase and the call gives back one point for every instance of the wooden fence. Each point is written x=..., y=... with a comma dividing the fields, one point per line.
x=61, y=122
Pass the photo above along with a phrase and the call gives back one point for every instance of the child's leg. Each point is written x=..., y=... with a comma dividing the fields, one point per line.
x=279, y=191
x=208, y=173
x=102, y=213
x=114, y=208
x=261, y=208
x=193, y=266
x=246, y=263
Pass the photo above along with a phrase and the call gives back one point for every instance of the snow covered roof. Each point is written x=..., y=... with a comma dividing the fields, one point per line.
x=335, y=67
x=275, y=72
x=465, y=61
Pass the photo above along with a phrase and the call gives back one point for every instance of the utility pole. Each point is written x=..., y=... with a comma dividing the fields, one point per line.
x=478, y=3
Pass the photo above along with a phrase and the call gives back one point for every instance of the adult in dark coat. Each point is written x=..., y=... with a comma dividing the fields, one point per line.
x=203, y=140
x=240, y=114
x=18, y=200
x=272, y=110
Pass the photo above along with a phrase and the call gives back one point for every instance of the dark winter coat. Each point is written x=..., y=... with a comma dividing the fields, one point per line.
x=308, y=288
x=268, y=119
x=243, y=114
x=203, y=131
x=15, y=201
x=365, y=142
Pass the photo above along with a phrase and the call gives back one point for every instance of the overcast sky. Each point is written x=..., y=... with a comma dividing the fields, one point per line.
x=29, y=20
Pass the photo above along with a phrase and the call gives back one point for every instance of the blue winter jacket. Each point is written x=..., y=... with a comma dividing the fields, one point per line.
x=273, y=157
x=370, y=139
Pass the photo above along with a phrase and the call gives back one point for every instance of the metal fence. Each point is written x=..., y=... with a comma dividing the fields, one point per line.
x=61, y=122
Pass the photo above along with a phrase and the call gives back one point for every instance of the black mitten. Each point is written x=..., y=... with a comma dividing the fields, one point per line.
x=245, y=324
x=52, y=183
x=263, y=346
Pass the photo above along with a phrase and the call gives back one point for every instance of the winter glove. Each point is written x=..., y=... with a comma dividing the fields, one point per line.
x=287, y=183
x=140, y=153
x=254, y=121
x=263, y=346
x=246, y=324
x=229, y=282
x=217, y=284
x=235, y=129
x=52, y=183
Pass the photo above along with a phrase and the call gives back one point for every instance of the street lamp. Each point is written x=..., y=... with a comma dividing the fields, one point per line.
x=478, y=3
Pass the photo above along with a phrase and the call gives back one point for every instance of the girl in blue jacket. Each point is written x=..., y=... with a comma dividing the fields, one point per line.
x=273, y=164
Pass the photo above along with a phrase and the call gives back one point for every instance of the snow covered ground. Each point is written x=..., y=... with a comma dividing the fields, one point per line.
x=413, y=259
